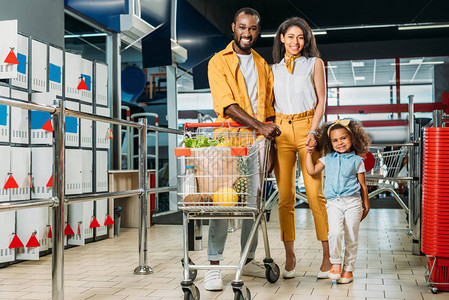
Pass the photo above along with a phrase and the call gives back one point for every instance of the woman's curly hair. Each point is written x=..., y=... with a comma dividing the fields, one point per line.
x=359, y=138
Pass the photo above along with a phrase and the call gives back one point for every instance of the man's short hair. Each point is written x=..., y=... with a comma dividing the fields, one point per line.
x=247, y=11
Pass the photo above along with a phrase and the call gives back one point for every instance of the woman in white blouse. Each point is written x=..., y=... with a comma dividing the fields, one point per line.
x=300, y=94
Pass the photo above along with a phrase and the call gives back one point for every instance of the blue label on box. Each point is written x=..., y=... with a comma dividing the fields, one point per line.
x=87, y=80
x=39, y=118
x=3, y=115
x=71, y=125
x=22, y=66
x=54, y=73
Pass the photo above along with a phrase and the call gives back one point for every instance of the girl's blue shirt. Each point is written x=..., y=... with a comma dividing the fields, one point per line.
x=341, y=175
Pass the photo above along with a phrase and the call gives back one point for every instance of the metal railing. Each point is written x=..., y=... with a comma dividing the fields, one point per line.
x=59, y=200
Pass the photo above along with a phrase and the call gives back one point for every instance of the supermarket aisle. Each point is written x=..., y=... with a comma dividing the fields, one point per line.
x=103, y=270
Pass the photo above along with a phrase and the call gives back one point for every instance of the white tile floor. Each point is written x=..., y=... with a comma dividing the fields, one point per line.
x=386, y=269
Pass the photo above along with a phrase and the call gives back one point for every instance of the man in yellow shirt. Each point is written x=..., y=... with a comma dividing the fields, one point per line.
x=241, y=84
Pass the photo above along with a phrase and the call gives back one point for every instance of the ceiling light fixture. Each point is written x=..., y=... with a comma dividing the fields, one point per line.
x=358, y=64
x=272, y=35
x=413, y=80
x=422, y=26
x=359, y=78
x=319, y=32
x=414, y=63
x=372, y=26
x=84, y=35
x=268, y=35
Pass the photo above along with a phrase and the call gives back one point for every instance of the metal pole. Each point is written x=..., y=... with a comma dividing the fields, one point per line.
x=113, y=59
x=413, y=189
x=99, y=196
x=437, y=116
x=58, y=211
x=143, y=268
x=411, y=163
x=26, y=204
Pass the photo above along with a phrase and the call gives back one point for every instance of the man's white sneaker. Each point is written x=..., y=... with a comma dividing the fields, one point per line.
x=254, y=268
x=213, y=281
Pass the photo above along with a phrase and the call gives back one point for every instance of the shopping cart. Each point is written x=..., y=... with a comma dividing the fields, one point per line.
x=385, y=173
x=228, y=183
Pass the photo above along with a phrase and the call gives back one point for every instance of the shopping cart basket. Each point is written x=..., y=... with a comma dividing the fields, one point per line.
x=384, y=174
x=224, y=180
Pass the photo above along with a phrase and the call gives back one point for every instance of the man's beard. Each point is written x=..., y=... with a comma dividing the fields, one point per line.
x=243, y=48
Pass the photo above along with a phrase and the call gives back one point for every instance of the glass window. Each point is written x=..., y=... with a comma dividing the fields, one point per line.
x=332, y=99
x=365, y=95
x=421, y=93
x=368, y=72
x=419, y=70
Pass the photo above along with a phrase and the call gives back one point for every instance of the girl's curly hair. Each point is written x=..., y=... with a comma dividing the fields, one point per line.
x=359, y=138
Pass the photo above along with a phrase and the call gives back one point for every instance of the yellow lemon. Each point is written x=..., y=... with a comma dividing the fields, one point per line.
x=226, y=197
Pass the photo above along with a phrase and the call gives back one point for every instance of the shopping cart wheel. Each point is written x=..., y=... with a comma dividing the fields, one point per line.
x=434, y=290
x=272, y=273
x=192, y=273
x=242, y=294
x=191, y=292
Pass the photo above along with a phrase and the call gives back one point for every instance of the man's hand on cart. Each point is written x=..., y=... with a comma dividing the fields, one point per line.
x=268, y=130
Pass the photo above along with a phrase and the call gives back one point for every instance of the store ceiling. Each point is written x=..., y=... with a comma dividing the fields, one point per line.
x=330, y=14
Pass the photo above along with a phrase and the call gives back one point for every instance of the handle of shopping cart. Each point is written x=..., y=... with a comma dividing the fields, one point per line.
x=217, y=125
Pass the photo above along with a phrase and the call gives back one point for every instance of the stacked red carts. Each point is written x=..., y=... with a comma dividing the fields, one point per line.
x=222, y=175
x=435, y=207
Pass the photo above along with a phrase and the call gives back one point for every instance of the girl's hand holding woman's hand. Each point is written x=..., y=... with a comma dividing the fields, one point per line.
x=310, y=143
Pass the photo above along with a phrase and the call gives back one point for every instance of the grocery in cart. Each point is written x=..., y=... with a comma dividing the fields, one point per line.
x=222, y=175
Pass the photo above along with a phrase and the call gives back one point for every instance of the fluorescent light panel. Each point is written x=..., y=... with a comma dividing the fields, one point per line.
x=84, y=35
x=418, y=27
x=414, y=63
x=272, y=35
x=358, y=64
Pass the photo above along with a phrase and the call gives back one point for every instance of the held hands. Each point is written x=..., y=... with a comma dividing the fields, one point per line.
x=310, y=143
x=269, y=130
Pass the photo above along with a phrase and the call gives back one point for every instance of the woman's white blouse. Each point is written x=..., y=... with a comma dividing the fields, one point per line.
x=294, y=93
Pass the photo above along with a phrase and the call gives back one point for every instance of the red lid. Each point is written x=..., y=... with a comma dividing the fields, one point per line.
x=435, y=209
x=433, y=160
x=435, y=243
x=436, y=129
x=444, y=157
x=436, y=151
x=428, y=173
x=435, y=229
x=441, y=223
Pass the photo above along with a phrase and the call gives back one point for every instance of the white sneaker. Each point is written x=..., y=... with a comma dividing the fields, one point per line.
x=254, y=268
x=213, y=281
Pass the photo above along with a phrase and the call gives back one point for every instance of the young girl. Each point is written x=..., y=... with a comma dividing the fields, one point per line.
x=344, y=188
